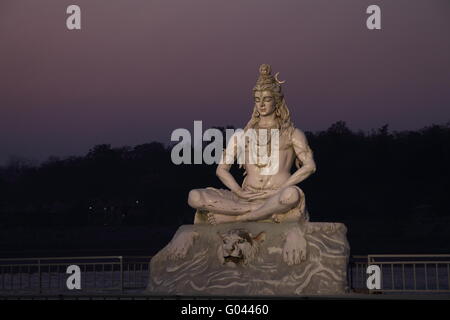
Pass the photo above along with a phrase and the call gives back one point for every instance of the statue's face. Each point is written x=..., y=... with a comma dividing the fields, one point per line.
x=264, y=103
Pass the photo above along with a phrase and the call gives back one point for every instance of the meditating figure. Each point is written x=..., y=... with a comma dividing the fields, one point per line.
x=266, y=194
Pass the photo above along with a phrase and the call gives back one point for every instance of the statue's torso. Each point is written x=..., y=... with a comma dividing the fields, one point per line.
x=255, y=179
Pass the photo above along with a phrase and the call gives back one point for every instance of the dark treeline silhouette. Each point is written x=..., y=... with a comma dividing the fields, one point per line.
x=391, y=189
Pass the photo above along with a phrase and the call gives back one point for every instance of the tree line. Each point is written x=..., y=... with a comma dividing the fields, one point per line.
x=397, y=183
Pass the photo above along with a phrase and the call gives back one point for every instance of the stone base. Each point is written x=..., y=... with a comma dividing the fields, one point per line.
x=253, y=259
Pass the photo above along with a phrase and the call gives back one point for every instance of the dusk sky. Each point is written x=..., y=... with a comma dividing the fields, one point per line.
x=138, y=69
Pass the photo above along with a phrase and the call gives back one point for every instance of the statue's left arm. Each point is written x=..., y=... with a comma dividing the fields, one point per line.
x=305, y=156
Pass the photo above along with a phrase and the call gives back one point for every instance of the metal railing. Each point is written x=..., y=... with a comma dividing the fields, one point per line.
x=402, y=273
x=356, y=274
x=421, y=273
x=129, y=274
x=98, y=274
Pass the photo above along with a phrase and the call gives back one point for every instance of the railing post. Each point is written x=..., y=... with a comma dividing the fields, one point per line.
x=39, y=276
x=121, y=273
x=349, y=274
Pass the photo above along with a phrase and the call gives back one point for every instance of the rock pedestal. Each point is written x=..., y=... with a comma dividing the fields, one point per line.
x=253, y=259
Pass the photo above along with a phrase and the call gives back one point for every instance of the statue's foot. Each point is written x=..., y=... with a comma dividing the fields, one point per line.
x=216, y=218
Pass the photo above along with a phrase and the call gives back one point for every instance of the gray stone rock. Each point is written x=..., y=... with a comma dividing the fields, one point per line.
x=253, y=259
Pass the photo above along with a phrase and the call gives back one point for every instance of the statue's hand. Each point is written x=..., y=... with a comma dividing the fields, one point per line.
x=245, y=194
x=180, y=245
x=263, y=195
x=294, y=251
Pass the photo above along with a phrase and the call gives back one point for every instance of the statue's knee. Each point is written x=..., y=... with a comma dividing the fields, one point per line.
x=195, y=198
x=289, y=196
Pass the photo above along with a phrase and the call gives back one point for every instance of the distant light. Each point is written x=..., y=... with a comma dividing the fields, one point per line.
x=90, y=208
x=137, y=201
x=104, y=208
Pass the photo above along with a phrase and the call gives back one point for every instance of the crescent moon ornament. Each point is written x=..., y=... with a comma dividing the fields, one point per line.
x=276, y=78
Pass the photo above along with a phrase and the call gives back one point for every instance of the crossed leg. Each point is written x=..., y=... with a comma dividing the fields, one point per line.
x=279, y=203
x=211, y=200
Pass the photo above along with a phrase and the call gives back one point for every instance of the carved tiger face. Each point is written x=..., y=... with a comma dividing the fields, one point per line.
x=238, y=246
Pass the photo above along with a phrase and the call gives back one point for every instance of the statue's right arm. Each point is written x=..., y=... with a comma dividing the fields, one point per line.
x=223, y=172
x=223, y=169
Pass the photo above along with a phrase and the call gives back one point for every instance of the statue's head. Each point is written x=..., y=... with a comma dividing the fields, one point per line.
x=269, y=98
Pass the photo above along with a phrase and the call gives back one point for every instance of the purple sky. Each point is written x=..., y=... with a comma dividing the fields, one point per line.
x=139, y=69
